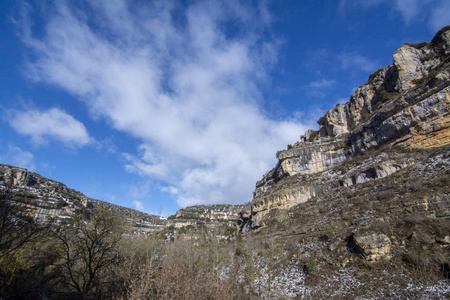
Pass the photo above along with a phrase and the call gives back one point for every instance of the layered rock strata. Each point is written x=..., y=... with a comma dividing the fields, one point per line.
x=406, y=104
x=209, y=215
x=43, y=198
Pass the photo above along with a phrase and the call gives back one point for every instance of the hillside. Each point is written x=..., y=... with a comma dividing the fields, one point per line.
x=44, y=199
x=404, y=105
x=364, y=203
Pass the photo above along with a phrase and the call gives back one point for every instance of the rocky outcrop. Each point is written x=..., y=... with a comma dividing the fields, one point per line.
x=209, y=215
x=16, y=177
x=417, y=70
x=209, y=212
x=415, y=123
x=373, y=247
x=43, y=199
x=294, y=190
x=404, y=105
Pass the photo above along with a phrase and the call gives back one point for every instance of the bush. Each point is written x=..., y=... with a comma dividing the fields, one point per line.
x=385, y=96
x=363, y=117
x=418, y=46
x=374, y=74
x=311, y=266
x=313, y=136
x=177, y=281
x=427, y=57
x=62, y=203
x=438, y=36
x=419, y=81
x=239, y=245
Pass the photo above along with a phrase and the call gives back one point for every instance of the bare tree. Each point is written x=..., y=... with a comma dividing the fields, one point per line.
x=89, y=249
x=16, y=229
x=22, y=264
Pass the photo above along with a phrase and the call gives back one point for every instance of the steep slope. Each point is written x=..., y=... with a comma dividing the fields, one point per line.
x=43, y=199
x=406, y=104
x=209, y=215
x=360, y=209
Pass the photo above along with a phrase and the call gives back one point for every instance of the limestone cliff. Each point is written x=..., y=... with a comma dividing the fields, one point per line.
x=209, y=212
x=419, y=72
x=209, y=215
x=406, y=104
x=43, y=198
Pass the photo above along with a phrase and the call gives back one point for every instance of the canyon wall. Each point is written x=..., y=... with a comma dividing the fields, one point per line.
x=406, y=104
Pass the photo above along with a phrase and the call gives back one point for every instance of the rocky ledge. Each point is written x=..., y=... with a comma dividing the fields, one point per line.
x=45, y=199
x=405, y=105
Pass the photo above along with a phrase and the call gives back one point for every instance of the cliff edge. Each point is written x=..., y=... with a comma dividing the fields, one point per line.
x=404, y=105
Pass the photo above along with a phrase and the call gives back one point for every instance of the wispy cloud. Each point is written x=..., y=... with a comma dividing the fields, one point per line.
x=435, y=12
x=186, y=87
x=318, y=88
x=52, y=124
x=16, y=156
x=440, y=15
x=357, y=61
x=409, y=9
x=320, y=84
x=138, y=205
x=345, y=5
x=140, y=189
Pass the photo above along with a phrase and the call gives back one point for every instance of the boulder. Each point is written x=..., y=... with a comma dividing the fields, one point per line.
x=376, y=246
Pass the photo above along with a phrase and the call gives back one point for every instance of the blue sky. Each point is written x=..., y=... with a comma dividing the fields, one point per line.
x=158, y=105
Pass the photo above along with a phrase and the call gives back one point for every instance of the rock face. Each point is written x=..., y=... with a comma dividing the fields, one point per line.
x=209, y=212
x=209, y=215
x=419, y=72
x=42, y=198
x=405, y=105
x=17, y=177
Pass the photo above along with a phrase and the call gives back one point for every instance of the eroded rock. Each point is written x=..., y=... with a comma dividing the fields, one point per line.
x=375, y=246
x=405, y=104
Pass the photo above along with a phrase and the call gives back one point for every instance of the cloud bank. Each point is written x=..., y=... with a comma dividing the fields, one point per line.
x=184, y=81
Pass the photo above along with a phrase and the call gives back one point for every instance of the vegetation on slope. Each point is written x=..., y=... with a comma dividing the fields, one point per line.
x=304, y=251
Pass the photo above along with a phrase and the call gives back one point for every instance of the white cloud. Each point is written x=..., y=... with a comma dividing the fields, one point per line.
x=49, y=124
x=409, y=9
x=138, y=205
x=320, y=84
x=437, y=12
x=15, y=156
x=140, y=190
x=178, y=81
x=345, y=5
x=357, y=61
x=317, y=88
x=440, y=15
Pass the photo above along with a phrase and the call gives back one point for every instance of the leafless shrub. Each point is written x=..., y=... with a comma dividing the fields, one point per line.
x=186, y=269
x=177, y=281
